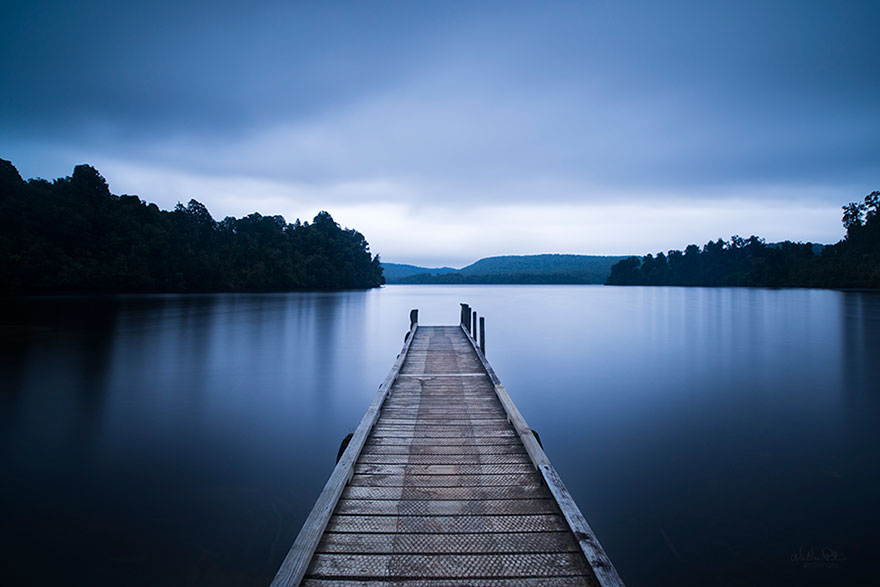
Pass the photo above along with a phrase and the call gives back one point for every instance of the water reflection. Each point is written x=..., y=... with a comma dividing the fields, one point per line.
x=712, y=436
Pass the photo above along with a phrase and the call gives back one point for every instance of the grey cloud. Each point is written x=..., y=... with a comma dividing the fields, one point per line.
x=455, y=101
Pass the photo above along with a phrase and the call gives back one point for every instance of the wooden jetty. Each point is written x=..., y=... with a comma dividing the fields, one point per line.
x=444, y=483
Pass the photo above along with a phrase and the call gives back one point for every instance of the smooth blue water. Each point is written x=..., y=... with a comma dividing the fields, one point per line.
x=710, y=436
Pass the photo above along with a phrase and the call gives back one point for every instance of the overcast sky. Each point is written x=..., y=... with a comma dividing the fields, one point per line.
x=449, y=131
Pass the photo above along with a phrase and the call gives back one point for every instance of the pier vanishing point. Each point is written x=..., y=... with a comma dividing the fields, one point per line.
x=444, y=483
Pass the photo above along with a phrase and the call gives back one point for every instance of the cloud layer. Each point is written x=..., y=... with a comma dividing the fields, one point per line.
x=447, y=132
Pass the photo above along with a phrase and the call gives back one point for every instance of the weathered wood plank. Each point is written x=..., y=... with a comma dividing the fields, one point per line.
x=428, y=376
x=449, y=486
x=475, y=390
x=366, y=469
x=416, y=459
x=384, y=432
x=429, y=406
x=429, y=415
x=449, y=566
x=447, y=493
x=446, y=524
x=477, y=397
x=604, y=570
x=512, y=582
x=422, y=507
x=445, y=441
x=386, y=420
x=444, y=449
x=605, y=573
x=441, y=480
x=444, y=430
x=506, y=542
x=424, y=413
x=450, y=426
x=297, y=560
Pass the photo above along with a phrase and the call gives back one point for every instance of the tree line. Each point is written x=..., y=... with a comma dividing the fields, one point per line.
x=853, y=262
x=73, y=235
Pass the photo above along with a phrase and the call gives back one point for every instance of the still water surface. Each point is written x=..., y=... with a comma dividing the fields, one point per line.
x=711, y=436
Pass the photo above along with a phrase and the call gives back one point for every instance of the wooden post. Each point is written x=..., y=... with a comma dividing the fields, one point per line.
x=413, y=317
x=465, y=314
x=483, y=334
x=474, y=326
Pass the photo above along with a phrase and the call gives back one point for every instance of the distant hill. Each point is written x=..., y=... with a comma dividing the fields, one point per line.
x=533, y=269
x=394, y=272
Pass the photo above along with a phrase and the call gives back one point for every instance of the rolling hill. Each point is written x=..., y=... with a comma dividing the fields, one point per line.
x=537, y=269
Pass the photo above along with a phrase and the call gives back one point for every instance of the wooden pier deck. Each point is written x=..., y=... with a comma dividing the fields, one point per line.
x=443, y=483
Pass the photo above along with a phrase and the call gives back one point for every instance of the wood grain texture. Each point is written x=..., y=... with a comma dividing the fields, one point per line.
x=457, y=469
x=442, y=480
x=427, y=507
x=295, y=564
x=417, y=459
x=447, y=486
x=445, y=441
x=446, y=524
x=447, y=493
x=510, y=582
x=458, y=566
x=451, y=543
x=600, y=564
x=444, y=449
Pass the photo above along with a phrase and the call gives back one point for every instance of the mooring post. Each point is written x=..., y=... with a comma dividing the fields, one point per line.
x=474, y=326
x=465, y=314
x=483, y=334
x=413, y=318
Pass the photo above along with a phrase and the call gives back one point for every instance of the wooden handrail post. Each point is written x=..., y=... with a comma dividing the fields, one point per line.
x=465, y=314
x=474, y=326
x=483, y=334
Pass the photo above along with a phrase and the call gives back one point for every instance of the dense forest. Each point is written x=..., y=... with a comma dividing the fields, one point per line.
x=73, y=235
x=854, y=262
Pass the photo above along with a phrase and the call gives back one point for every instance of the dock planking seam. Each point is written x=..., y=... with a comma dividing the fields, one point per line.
x=602, y=567
x=450, y=486
x=295, y=564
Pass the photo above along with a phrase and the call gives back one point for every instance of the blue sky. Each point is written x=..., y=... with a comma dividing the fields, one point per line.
x=448, y=131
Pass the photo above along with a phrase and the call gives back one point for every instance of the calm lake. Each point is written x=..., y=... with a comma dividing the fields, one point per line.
x=710, y=436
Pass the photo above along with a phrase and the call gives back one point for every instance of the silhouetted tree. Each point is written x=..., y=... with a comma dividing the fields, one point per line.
x=852, y=262
x=73, y=235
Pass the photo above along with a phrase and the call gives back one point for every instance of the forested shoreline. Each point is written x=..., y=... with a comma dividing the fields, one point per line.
x=72, y=235
x=853, y=262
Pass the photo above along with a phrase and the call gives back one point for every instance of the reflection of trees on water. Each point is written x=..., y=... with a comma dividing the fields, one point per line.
x=54, y=370
x=861, y=356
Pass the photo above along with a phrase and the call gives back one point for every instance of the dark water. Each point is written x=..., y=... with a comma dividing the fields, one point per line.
x=711, y=436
